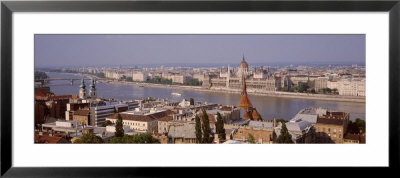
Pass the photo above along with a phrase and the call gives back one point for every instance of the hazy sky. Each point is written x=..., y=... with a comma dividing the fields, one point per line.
x=94, y=50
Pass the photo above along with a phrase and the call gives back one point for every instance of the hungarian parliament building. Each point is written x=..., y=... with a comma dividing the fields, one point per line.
x=257, y=80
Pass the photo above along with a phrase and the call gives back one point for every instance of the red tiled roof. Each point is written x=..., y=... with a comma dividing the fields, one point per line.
x=48, y=139
x=226, y=108
x=255, y=114
x=166, y=118
x=246, y=115
x=61, y=97
x=41, y=92
x=245, y=102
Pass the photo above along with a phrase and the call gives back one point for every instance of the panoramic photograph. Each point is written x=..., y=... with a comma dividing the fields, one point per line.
x=199, y=89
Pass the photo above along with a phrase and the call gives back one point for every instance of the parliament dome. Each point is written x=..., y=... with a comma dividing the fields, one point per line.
x=243, y=64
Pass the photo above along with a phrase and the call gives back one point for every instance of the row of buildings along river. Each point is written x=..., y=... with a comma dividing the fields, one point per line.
x=170, y=118
x=338, y=80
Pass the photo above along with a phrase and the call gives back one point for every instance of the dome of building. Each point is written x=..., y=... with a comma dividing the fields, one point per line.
x=243, y=64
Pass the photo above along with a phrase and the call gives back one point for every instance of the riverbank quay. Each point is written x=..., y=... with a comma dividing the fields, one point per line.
x=308, y=96
x=250, y=92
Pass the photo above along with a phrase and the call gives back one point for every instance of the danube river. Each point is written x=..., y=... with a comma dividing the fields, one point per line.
x=268, y=106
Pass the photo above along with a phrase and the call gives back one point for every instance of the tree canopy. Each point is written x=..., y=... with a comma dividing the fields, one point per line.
x=160, y=80
x=199, y=137
x=219, y=127
x=39, y=75
x=89, y=138
x=356, y=127
x=119, y=130
x=107, y=123
x=284, y=136
x=250, y=138
x=206, y=128
x=139, y=138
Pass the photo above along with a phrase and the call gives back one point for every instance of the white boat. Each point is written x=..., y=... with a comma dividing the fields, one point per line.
x=176, y=94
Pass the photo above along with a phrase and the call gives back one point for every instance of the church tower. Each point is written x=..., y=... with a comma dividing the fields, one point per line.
x=243, y=69
x=92, y=90
x=244, y=101
x=250, y=113
x=82, y=90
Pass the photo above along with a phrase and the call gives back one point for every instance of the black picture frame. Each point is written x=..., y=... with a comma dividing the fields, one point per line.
x=8, y=7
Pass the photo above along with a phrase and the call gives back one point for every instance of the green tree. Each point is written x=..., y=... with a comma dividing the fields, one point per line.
x=192, y=82
x=206, y=128
x=160, y=80
x=335, y=91
x=139, y=138
x=89, y=138
x=119, y=130
x=219, y=127
x=352, y=127
x=284, y=136
x=250, y=138
x=39, y=75
x=191, y=101
x=360, y=124
x=198, y=129
x=100, y=75
x=285, y=89
x=129, y=79
x=356, y=127
x=302, y=87
x=107, y=123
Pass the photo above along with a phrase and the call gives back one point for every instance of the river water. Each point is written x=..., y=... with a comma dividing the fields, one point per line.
x=268, y=106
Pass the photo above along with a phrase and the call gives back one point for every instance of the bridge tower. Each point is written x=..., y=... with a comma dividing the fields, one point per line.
x=92, y=90
x=82, y=89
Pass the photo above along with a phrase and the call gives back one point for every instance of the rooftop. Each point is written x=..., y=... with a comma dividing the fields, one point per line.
x=182, y=131
x=330, y=121
x=144, y=118
x=260, y=124
x=49, y=139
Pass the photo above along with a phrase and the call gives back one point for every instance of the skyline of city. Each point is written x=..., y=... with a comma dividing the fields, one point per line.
x=200, y=89
x=197, y=50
